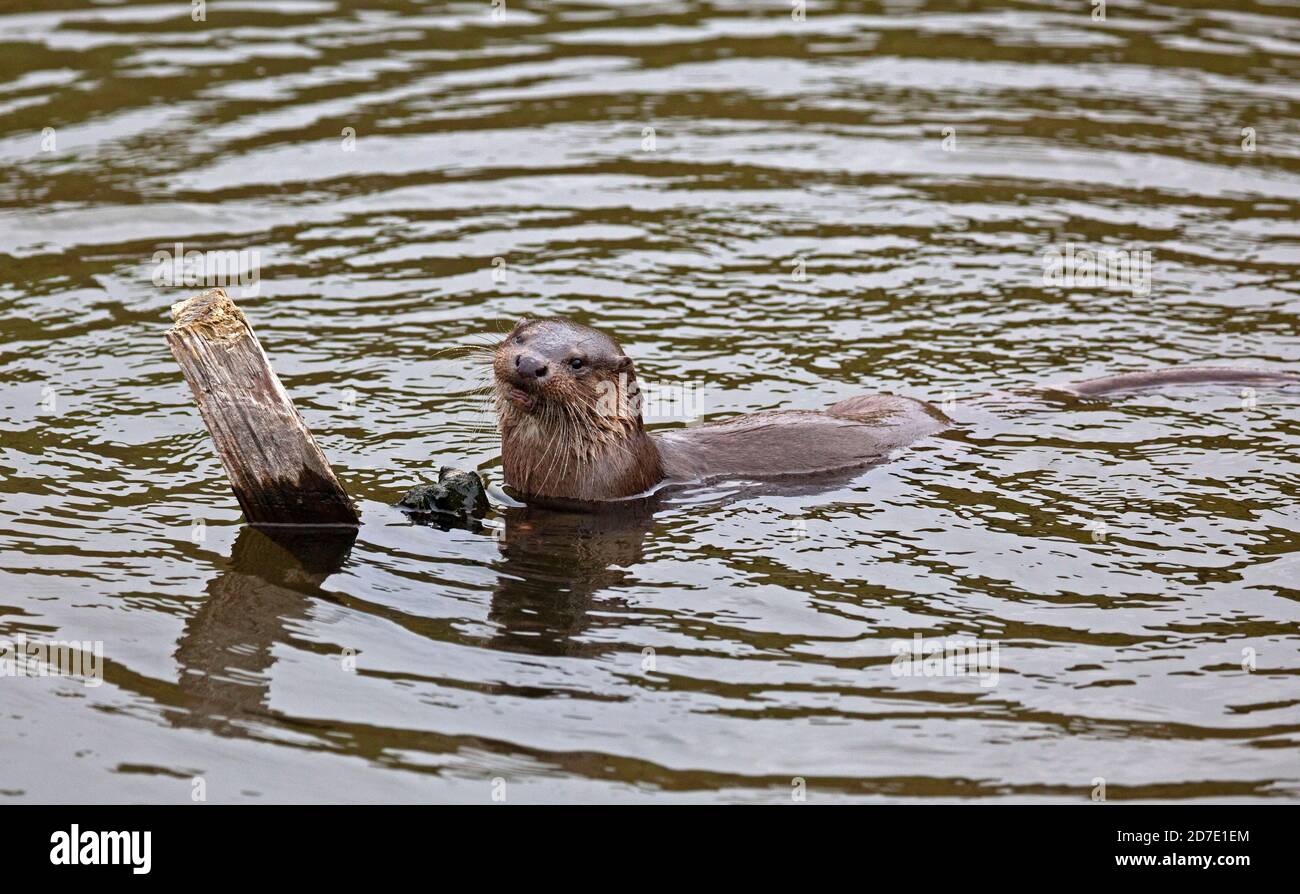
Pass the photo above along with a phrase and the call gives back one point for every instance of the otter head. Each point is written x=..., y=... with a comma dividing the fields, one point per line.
x=546, y=363
x=569, y=408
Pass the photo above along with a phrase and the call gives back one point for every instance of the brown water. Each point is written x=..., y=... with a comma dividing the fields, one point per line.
x=1125, y=556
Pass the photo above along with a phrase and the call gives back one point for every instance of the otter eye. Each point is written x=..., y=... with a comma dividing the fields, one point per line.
x=519, y=339
x=576, y=363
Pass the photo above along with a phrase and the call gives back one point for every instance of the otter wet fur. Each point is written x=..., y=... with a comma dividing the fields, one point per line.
x=568, y=406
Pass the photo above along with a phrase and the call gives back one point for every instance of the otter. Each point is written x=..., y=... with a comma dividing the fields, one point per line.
x=568, y=407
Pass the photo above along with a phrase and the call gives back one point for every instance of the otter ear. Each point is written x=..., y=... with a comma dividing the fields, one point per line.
x=623, y=364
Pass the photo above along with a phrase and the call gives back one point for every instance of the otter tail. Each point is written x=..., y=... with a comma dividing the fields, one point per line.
x=1177, y=375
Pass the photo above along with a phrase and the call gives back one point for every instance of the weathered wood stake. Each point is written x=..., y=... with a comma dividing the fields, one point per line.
x=278, y=473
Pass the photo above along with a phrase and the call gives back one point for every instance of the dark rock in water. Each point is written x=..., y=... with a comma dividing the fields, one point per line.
x=458, y=493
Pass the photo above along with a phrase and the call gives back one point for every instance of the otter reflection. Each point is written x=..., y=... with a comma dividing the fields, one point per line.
x=228, y=646
x=554, y=563
x=563, y=563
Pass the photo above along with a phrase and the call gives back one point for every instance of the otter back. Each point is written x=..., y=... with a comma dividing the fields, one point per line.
x=856, y=432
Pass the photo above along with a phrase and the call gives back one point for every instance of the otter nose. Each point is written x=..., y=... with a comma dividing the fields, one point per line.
x=530, y=367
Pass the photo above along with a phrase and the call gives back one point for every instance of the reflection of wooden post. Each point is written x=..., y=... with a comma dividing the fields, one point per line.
x=252, y=607
x=278, y=473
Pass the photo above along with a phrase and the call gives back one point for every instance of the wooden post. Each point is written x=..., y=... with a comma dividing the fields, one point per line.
x=278, y=473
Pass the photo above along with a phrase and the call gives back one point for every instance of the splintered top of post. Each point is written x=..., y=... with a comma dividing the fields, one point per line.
x=212, y=314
